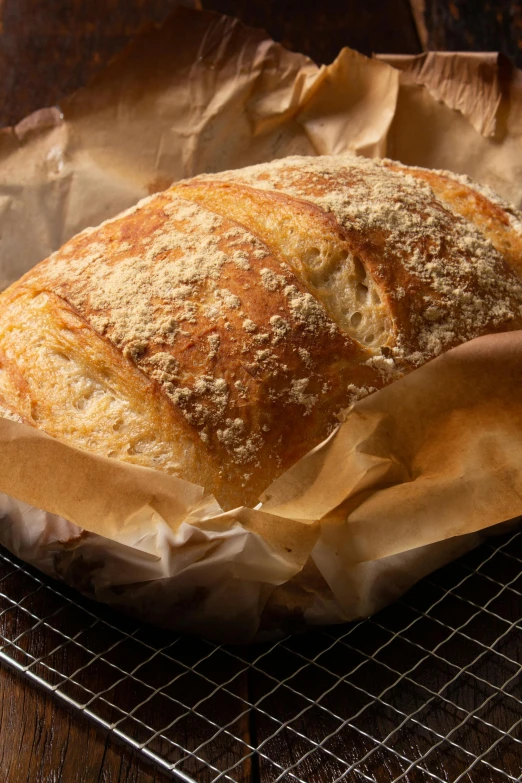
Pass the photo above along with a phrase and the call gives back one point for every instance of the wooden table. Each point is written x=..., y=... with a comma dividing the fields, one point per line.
x=49, y=48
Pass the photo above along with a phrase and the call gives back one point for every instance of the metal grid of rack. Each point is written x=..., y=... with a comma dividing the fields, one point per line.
x=427, y=690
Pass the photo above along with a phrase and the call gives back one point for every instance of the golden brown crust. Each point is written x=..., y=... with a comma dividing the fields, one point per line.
x=498, y=221
x=215, y=330
x=76, y=386
x=8, y=412
x=439, y=275
x=240, y=354
x=313, y=244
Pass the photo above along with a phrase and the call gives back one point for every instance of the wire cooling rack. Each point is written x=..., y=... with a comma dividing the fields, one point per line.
x=427, y=690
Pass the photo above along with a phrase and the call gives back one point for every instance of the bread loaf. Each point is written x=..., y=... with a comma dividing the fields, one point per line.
x=216, y=330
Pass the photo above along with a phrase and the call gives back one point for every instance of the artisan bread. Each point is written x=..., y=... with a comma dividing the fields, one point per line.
x=217, y=330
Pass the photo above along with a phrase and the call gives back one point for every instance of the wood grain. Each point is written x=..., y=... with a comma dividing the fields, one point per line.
x=49, y=48
x=471, y=25
x=42, y=742
x=86, y=649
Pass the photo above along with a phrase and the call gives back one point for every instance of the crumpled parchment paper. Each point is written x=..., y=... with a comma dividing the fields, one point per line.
x=416, y=473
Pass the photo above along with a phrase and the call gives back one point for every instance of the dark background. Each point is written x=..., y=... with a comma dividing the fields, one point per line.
x=49, y=48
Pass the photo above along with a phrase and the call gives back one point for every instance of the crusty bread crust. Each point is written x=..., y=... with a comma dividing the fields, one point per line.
x=216, y=329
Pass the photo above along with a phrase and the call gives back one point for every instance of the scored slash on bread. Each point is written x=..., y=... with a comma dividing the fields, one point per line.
x=217, y=329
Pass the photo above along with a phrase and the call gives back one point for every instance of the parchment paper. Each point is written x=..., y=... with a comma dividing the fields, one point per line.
x=414, y=475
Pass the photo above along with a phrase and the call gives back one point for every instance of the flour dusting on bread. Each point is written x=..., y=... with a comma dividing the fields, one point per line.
x=219, y=329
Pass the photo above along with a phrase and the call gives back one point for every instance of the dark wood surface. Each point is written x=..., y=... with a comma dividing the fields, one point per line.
x=473, y=25
x=42, y=742
x=49, y=48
